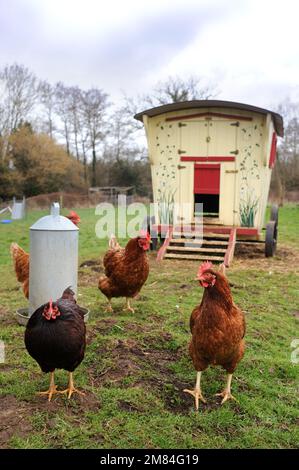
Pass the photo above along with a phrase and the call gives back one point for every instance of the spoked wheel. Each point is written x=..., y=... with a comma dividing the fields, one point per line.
x=271, y=238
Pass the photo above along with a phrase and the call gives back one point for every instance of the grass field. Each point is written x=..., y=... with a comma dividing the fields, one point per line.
x=137, y=365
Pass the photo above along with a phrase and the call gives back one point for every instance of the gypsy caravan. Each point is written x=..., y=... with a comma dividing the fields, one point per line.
x=220, y=154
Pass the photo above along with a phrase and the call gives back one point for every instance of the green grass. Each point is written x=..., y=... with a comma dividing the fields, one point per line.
x=137, y=365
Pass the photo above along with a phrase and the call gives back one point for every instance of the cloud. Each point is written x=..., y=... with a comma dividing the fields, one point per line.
x=248, y=48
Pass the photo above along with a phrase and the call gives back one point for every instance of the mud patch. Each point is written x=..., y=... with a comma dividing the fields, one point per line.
x=14, y=420
x=127, y=406
x=87, y=268
x=15, y=415
x=130, y=360
x=286, y=258
x=295, y=314
x=89, y=262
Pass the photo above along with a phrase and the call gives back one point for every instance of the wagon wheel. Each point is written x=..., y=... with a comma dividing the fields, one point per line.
x=274, y=213
x=271, y=238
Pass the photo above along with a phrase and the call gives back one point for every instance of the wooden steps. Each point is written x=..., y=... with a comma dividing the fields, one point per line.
x=218, y=259
x=196, y=249
x=209, y=246
x=212, y=246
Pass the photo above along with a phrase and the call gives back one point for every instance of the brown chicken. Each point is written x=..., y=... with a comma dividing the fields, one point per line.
x=55, y=338
x=218, y=328
x=21, y=258
x=21, y=265
x=74, y=217
x=126, y=269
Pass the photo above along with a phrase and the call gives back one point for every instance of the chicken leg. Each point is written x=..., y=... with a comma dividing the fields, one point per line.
x=196, y=393
x=226, y=394
x=109, y=306
x=71, y=388
x=52, y=388
x=128, y=306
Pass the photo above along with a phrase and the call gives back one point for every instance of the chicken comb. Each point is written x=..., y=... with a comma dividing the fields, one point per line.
x=204, y=267
x=145, y=234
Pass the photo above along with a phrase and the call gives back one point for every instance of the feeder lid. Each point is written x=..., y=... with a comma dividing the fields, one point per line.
x=54, y=221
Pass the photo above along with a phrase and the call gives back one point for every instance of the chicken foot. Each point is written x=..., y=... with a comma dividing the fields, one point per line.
x=52, y=388
x=128, y=306
x=109, y=307
x=226, y=394
x=196, y=393
x=71, y=388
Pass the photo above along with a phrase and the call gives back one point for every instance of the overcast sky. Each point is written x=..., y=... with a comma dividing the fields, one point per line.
x=247, y=48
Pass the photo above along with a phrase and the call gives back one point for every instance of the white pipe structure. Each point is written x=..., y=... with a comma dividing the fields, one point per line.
x=53, y=258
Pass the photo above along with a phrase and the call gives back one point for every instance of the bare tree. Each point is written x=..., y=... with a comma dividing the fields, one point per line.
x=176, y=90
x=121, y=135
x=172, y=90
x=18, y=94
x=286, y=173
x=62, y=108
x=94, y=106
x=47, y=98
x=75, y=101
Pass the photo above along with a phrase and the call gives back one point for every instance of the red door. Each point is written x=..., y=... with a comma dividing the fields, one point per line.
x=206, y=178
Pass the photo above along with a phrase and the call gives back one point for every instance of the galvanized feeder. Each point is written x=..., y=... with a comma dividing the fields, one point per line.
x=53, y=260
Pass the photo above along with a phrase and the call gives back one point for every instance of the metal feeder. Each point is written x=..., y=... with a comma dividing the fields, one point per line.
x=53, y=260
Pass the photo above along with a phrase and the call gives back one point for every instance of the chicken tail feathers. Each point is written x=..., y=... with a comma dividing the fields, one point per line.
x=69, y=294
x=113, y=243
x=21, y=262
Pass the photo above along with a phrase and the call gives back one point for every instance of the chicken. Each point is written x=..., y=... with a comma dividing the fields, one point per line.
x=21, y=258
x=55, y=338
x=218, y=327
x=126, y=269
x=21, y=265
x=74, y=217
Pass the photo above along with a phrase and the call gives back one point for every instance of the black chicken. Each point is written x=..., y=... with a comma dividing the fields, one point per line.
x=55, y=338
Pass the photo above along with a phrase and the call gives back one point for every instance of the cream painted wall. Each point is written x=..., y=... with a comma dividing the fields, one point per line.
x=243, y=182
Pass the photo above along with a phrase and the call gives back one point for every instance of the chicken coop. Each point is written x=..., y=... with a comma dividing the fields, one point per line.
x=220, y=154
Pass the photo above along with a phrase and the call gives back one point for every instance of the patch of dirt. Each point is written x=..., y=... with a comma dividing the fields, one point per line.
x=13, y=420
x=129, y=359
x=15, y=414
x=127, y=406
x=95, y=265
x=252, y=256
x=185, y=286
x=89, y=262
x=87, y=270
x=295, y=314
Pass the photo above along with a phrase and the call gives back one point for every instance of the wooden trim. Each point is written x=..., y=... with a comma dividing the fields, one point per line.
x=200, y=166
x=208, y=159
x=273, y=151
x=250, y=231
x=231, y=247
x=163, y=248
x=224, y=229
x=208, y=114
